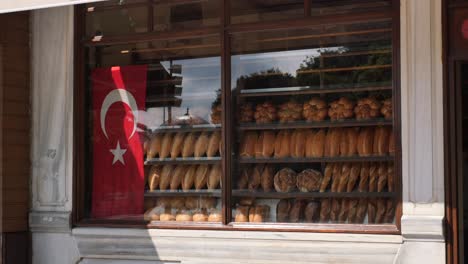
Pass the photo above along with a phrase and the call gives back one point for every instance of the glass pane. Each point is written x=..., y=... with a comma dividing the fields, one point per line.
x=331, y=7
x=165, y=165
x=314, y=117
x=115, y=21
x=173, y=15
x=248, y=11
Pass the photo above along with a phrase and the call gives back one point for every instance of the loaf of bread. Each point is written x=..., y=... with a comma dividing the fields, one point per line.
x=342, y=108
x=365, y=142
x=344, y=211
x=154, y=177
x=188, y=146
x=268, y=143
x=296, y=212
x=258, y=150
x=247, y=146
x=242, y=214
x=213, y=144
x=166, y=175
x=371, y=211
x=214, y=177
x=352, y=210
x=344, y=178
x=192, y=203
x=283, y=144
x=361, y=211
x=166, y=146
x=201, y=176
x=267, y=178
x=246, y=113
x=315, y=109
x=312, y=211
x=282, y=210
x=380, y=212
x=154, y=147
x=215, y=216
x=265, y=113
x=309, y=180
x=332, y=143
x=367, y=108
x=177, y=202
x=255, y=177
x=325, y=208
x=373, y=176
x=391, y=143
x=381, y=137
x=207, y=202
x=348, y=143
x=285, y=180
x=167, y=215
x=364, y=177
x=246, y=201
x=298, y=141
x=189, y=178
x=201, y=145
x=391, y=177
x=387, y=109
x=259, y=214
x=390, y=211
x=315, y=143
x=327, y=177
x=200, y=216
x=336, y=177
x=290, y=111
x=335, y=210
x=177, y=144
x=177, y=176
x=353, y=176
x=184, y=215
x=382, y=177
x=243, y=180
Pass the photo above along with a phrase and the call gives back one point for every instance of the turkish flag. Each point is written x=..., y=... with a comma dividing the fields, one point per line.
x=118, y=173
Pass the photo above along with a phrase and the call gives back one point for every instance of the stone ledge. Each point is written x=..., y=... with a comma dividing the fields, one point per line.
x=423, y=228
x=51, y=222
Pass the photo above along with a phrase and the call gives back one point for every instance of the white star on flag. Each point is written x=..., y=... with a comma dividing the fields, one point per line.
x=118, y=154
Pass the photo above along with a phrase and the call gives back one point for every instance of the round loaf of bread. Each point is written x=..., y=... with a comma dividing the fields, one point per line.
x=215, y=216
x=309, y=180
x=183, y=215
x=242, y=214
x=315, y=109
x=285, y=180
x=367, y=108
x=200, y=216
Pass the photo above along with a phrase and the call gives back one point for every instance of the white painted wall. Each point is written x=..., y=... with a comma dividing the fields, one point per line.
x=422, y=238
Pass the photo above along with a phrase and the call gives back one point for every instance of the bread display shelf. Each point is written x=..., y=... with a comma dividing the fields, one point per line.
x=185, y=161
x=194, y=128
x=279, y=195
x=180, y=193
x=300, y=90
x=317, y=160
x=322, y=124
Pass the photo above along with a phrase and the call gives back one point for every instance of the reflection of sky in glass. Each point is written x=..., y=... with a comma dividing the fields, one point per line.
x=285, y=61
x=201, y=78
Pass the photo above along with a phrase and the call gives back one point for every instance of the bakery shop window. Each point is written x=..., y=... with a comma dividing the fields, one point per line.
x=155, y=130
x=187, y=122
x=315, y=141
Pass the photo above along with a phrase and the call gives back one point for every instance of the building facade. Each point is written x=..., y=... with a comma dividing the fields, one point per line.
x=65, y=225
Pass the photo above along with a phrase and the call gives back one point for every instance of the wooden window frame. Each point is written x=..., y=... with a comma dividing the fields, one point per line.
x=225, y=30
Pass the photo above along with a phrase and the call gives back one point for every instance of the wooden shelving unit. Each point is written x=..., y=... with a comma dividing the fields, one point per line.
x=184, y=161
x=279, y=195
x=316, y=160
x=194, y=128
x=181, y=193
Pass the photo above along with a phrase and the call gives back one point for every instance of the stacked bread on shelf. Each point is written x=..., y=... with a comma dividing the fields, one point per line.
x=184, y=145
x=312, y=143
x=248, y=212
x=336, y=210
x=336, y=177
x=185, y=177
x=183, y=209
x=316, y=109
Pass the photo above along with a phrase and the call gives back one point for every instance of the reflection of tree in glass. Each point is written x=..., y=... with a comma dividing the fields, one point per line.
x=271, y=78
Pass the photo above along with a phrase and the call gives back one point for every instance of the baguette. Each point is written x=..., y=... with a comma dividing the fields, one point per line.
x=382, y=178
x=373, y=177
x=364, y=177
x=154, y=177
x=213, y=144
x=353, y=176
x=189, y=178
x=327, y=177
x=177, y=177
x=166, y=146
x=201, y=176
x=344, y=177
x=201, y=145
x=214, y=177
x=177, y=145
x=188, y=146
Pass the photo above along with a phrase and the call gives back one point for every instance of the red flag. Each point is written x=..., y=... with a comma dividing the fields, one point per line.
x=118, y=174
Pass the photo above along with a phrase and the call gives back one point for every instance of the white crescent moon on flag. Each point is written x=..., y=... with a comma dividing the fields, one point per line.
x=119, y=95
